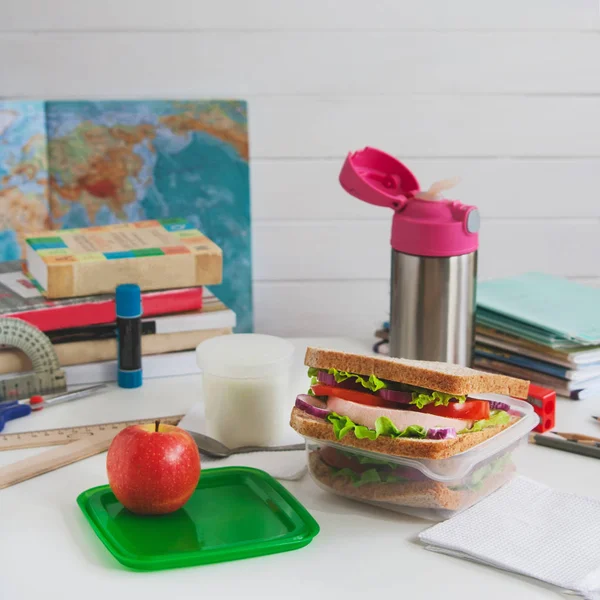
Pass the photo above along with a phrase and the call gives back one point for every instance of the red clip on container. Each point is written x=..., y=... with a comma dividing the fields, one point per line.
x=543, y=401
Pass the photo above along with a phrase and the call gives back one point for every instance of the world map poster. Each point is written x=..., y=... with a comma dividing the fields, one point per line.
x=70, y=164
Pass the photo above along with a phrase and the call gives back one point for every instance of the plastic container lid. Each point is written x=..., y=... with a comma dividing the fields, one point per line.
x=235, y=512
x=423, y=224
x=244, y=356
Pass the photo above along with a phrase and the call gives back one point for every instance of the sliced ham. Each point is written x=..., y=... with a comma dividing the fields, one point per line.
x=362, y=414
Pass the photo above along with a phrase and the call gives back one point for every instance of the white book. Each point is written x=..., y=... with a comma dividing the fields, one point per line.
x=213, y=315
x=157, y=365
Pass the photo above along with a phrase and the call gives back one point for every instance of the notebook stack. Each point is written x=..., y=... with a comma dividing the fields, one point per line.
x=66, y=288
x=542, y=328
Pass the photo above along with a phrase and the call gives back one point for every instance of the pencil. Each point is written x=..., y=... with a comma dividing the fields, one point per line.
x=566, y=445
x=597, y=418
x=583, y=442
x=586, y=443
x=579, y=438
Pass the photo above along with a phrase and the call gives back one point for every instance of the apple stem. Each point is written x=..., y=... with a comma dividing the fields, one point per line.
x=156, y=424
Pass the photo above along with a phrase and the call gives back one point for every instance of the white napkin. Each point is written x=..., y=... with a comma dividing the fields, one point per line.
x=528, y=528
x=287, y=465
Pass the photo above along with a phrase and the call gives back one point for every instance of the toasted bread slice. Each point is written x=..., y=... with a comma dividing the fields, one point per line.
x=416, y=494
x=319, y=429
x=443, y=377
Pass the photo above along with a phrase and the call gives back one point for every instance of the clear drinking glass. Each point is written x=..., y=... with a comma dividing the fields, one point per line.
x=245, y=386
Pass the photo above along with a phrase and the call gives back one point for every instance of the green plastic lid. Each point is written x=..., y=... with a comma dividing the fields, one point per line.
x=235, y=512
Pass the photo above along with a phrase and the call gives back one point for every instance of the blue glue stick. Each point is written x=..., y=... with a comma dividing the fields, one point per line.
x=129, y=335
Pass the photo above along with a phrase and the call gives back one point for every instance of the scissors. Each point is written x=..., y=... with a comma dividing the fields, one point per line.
x=22, y=408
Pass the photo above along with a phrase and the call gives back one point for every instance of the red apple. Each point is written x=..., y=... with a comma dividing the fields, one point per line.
x=153, y=469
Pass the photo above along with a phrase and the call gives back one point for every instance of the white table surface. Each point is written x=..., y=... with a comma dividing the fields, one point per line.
x=48, y=549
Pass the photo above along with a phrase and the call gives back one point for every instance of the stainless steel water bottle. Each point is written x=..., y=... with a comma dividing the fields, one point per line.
x=434, y=259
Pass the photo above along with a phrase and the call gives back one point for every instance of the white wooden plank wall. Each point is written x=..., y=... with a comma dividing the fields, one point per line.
x=504, y=94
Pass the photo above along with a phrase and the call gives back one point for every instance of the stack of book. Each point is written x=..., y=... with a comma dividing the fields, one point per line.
x=538, y=327
x=542, y=328
x=66, y=289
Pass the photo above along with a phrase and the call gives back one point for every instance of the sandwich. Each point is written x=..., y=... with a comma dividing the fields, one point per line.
x=401, y=407
x=360, y=412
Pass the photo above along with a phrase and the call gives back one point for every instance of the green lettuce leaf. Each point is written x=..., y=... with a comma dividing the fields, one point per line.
x=341, y=425
x=477, y=479
x=425, y=397
x=312, y=373
x=369, y=476
x=497, y=417
x=367, y=460
x=383, y=426
x=372, y=384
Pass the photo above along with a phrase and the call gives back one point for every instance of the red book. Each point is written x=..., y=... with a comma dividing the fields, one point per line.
x=19, y=297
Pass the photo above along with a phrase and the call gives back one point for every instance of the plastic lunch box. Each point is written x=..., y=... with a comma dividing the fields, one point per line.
x=427, y=488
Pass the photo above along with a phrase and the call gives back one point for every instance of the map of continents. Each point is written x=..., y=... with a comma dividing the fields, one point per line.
x=119, y=161
x=23, y=174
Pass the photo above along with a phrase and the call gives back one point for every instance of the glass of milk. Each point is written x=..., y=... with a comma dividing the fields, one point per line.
x=245, y=387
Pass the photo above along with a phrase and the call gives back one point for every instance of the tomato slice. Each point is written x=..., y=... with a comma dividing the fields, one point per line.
x=351, y=395
x=471, y=410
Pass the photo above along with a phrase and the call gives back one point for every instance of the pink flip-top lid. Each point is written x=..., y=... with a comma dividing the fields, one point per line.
x=422, y=225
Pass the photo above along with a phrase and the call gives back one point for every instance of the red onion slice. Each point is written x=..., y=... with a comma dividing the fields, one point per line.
x=441, y=433
x=395, y=396
x=326, y=379
x=312, y=406
x=497, y=405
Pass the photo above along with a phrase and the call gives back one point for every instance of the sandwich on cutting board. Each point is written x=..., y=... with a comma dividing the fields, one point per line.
x=401, y=407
